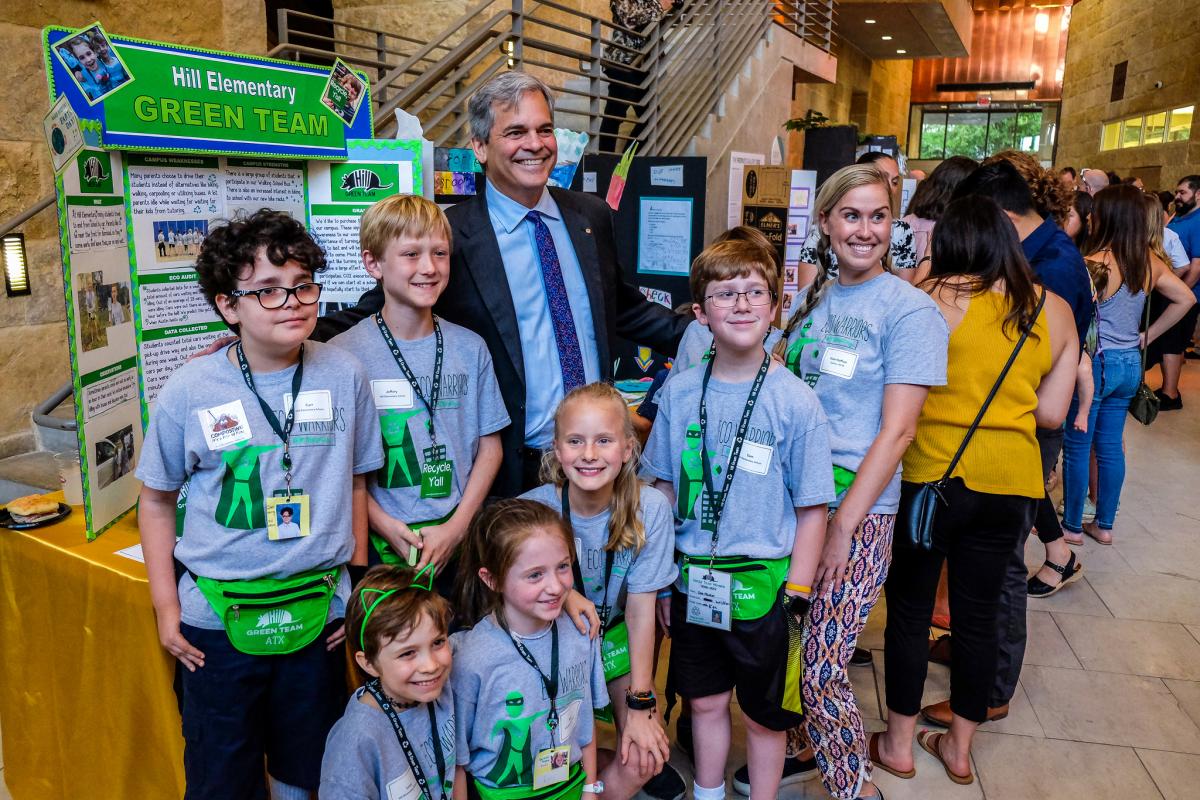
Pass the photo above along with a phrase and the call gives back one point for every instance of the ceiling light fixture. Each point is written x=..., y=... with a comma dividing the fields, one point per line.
x=901, y=52
x=886, y=38
x=869, y=21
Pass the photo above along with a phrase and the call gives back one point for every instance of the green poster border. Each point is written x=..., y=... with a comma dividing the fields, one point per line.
x=47, y=62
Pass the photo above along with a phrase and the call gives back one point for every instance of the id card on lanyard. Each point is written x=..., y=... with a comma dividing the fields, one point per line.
x=404, y=787
x=437, y=471
x=288, y=511
x=552, y=764
x=710, y=596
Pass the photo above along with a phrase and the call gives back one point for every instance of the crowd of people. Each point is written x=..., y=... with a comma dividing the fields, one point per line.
x=474, y=521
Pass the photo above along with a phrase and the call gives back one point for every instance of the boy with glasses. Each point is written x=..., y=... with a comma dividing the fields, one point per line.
x=255, y=614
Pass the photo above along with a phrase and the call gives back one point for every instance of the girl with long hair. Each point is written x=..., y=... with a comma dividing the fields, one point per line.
x=624, y=533
x=525, y=681
x=927, y=204
x=1120, y=257
x=985, y=290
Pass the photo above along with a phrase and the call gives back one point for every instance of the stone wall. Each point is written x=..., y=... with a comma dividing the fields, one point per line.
x=33, y=338
x=1163, y=49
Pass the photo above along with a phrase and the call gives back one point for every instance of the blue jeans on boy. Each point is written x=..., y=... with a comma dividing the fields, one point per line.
x=1117, y=374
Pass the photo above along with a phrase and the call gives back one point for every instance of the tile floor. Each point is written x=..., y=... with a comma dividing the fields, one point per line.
x=1109, y=700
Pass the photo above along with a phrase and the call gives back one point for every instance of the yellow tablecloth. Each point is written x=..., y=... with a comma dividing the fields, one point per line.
x=85, y=690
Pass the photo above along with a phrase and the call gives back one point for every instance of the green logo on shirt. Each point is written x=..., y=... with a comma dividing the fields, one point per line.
x=401, y=468
x=514, y=763
x=241, y=504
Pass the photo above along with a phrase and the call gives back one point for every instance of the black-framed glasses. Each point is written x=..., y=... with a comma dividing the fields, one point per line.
x=728, y=298
x=272, y=297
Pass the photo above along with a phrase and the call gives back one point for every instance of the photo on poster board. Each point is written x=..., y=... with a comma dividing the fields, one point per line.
x=93, y=63
x=114, y=457
x=344, y=92
x=178, y=239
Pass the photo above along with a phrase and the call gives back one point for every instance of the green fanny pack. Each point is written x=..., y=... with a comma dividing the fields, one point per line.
x=570, y=789
x=755, y=581
x=842, y=478
x=388, y=555
x=267, y=617
x=615, y=650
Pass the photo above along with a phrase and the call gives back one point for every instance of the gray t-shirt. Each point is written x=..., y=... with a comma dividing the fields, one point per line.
x=208, y=429
x=698, y=340
x=500, y=702
x=651, y=569
x=857, y=340
x=469, y=406
x=363, y=759
x=903, y=247
x=784, y=464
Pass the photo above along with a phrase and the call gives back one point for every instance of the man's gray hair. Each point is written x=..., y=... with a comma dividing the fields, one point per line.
x=506, y=90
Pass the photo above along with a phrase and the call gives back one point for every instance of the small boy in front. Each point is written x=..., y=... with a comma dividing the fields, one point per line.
x=255, y=615
x=741, y=447
x=434, y=389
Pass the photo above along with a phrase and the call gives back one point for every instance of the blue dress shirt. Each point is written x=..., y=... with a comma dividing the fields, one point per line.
x=539, y=351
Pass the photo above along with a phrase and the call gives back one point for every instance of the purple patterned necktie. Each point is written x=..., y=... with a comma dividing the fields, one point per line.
x=570, y=358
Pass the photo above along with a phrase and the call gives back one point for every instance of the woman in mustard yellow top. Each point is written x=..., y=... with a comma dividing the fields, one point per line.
x=984, y=288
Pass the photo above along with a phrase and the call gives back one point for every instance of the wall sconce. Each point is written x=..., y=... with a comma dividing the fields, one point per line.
x=16, y=265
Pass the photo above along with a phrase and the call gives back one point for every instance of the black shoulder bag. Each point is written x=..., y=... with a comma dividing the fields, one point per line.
x=1144, y=405
x=918, y=510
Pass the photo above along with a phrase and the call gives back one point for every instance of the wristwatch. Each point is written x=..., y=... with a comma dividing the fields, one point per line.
x=594, y=788
x=796, y=605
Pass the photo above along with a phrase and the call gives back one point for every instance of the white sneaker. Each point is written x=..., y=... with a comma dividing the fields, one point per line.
x=1089, y=509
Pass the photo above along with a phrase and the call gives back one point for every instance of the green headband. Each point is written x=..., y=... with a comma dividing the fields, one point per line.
x=386, y=593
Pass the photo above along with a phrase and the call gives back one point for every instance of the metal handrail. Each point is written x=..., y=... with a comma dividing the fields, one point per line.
x=689, y=59
x=41, y=412
x=14, y=222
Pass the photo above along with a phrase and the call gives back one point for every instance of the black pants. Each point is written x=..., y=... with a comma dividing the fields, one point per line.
x=620, y=99
x=975, y=533
x=1014, y=598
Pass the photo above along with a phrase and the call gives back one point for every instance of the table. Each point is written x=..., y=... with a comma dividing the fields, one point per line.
x=85, y=690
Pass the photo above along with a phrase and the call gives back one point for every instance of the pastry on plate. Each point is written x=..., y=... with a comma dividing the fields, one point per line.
x=32, y=508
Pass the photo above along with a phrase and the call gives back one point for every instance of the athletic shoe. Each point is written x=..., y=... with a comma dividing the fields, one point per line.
x=1089, y=509
x=666, y=785
x=1166, y=403
x=794, y=771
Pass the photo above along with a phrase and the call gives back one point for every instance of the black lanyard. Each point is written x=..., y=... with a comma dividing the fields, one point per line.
x=386, y=705
x=435, y=388
x=718, y=500
x=549, y=683
x=284, y=432
x=608, y=562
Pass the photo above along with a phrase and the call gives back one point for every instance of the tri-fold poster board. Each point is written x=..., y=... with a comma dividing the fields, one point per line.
x=154, y=143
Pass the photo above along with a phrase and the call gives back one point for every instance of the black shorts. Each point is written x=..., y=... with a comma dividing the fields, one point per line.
x=1175, y=339
x=748, y=658
x=238, y=709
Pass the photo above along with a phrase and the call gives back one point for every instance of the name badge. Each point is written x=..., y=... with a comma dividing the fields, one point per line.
x=838, y=362
x=755, y=458
x=392, y=393
x=551, y=766
x=287, y=517
x=404, y=788
x=710, y=597
x=224, y=425
x=315, y=405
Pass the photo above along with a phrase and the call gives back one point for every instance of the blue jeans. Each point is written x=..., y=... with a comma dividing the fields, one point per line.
x=1117, y=374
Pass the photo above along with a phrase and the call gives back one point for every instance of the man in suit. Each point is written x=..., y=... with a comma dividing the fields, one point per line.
x=534, y=272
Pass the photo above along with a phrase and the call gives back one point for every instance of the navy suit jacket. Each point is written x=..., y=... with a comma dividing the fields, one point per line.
x=478, y=297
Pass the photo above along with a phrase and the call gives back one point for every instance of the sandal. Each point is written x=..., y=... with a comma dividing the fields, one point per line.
x=873, y=753
x=1072, y=538
x=930, y=742
x=1068, y=573
x=1100, y=535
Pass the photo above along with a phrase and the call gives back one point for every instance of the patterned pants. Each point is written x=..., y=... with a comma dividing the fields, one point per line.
x=832, y=724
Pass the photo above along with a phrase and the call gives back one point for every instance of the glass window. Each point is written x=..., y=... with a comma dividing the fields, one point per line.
x=1131, y=132
x=1001, y=130
x=966, y=134
x=1181, y=124
x=1156, y=128
x=1029, y=131
x=1112, y=136
x=933, y=136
